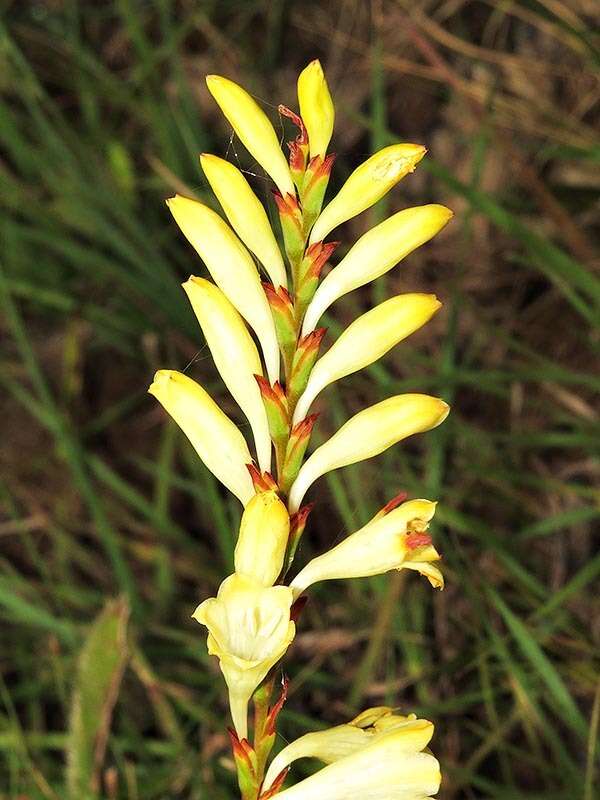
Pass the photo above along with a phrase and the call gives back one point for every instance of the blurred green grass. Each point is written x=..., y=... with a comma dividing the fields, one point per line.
x=103, y=115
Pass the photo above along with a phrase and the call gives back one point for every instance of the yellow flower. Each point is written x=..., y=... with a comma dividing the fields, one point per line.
x=391, y=767
x=369, y=433
x=316, y=108
x=263, y=538
x=253, y=129
x=333, y=744
x=395, y=541
x=213, y=435
x=367, y=339
x=375, y=253
x=246, y=214
x=249, y=630
x=235, y=356
x=232, y=269
x=366, y=185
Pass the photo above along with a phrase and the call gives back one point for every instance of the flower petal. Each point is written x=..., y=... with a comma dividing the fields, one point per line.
x=232, y=269
x=253, y=129
x=316, y=108
x=367, y=434
x=235, y=356
x=246, y=214
x=213, y=435
x=367, y=339
x=366, y=185
x=376, y=253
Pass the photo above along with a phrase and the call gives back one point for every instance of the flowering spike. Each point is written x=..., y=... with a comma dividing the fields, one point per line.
x=367, y=184
x=253, y=129
x=296, y=448
x=290, y=215
x=282, y=309
x=245, y=213
x=298, y=148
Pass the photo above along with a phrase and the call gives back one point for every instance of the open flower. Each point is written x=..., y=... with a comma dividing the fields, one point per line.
x=392, y=766
x=232, y=269
x=332, y=744
x=366, y=185
x=249, y=630
x=396, y=541
x=366, y=340
x=375, y=253
x=216, y=439
x=246, y=214
x=316, y=108
x=264, y=532
x=253, y=128
x=369, y=433
x=235, y=356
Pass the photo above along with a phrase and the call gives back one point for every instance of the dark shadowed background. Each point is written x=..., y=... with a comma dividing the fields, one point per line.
x=104, y=112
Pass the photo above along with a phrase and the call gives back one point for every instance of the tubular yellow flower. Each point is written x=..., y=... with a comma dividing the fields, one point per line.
x=232, y=269
x=249, y=630
x=330, y=745
x=366, y=185
x=263, y=538
x=369, y=433
x=376, y=252
x=378, y=547
x=246, y=214
x=367, y=339
x=253, y=129
x=235, y=356
x=316, y=108
x=392, y=767
x=213, y=435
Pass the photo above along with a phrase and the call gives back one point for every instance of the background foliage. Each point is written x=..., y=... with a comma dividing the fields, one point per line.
x=104, y=112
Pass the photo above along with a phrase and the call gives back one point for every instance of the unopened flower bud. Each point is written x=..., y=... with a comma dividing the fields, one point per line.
x=316, y=108
x=369, y=433
x=264, y=532
x=366, y=185
x=375, y=253
x=213, y=435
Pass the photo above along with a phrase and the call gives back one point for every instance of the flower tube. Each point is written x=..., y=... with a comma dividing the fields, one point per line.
x=366, y=185
x=213, y=435
x=235, y=356
x=316, y=108
x=396, y=541
x=334, y=743
x=232, y=269
x=246, y=214
x=392, y=767
x=366, y=340
x=264, y=532
x=249, y=630
x=375, y=253
x=367, y=434
x=253, y=128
